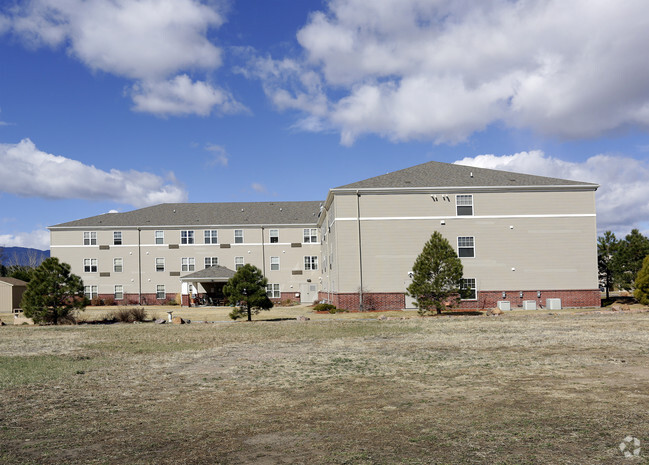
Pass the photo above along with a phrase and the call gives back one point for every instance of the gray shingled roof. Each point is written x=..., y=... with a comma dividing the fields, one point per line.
x=437, y=174
x=13, y=281
x=211, y=272
x=199, y=214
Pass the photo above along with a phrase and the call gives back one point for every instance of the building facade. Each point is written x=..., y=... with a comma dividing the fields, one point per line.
x=522, y=239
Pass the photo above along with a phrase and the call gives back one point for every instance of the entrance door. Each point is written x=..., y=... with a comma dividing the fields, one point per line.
x=308, y=293
x=410, y=301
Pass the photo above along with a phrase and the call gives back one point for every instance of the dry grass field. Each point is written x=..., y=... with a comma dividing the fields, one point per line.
x=562, y=388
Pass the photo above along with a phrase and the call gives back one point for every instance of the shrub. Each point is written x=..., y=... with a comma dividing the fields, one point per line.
x=129, y=315
x=238, y=312
x=171, y=301
x=324, y=308
x=109, y=301
x=96, y=302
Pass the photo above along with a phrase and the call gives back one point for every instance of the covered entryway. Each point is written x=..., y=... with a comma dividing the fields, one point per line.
x=211, y=279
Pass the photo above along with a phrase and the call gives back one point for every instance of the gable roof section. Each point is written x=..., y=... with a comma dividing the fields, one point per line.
x=437, y=174
x=211, y=273
x=13, y=281
x=207, y=214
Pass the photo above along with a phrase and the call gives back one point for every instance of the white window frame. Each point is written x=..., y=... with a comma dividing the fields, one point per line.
x=238, y=236
x=310, y=235
x=91, y=292
x=238, y=263
x=160, y=264
x=90, y=265
x=89, y=238
x=465, y=243
x=160, y=292
x=274, y=263
x=272, y=291
x=211, y=261
x=464, y=282
x=159, y=237
x=273, y=236
x=211, y=236
x=188, y=264
x=463, y=201
x=119, y=292
x=118, y=264
x=310, y=262
x=117, y=237
x=187, y=236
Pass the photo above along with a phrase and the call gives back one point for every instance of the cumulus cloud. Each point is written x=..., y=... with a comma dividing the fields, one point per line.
x=38, y=239
x=149, y=41
x=29, y=172
x=442, y=70
x=623, y=192
x=219, y=155
x=260, y=188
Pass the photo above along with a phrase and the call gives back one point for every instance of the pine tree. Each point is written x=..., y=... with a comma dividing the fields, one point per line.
x=247, y=289
x=642, y=283
x=437, y=272
x=52, y=293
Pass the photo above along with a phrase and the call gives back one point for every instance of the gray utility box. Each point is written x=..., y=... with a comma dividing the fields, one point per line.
x=529, y=305
x=553, y=304
x=504, y=305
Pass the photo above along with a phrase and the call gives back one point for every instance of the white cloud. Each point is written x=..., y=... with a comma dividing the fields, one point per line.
x=182, y=96
x=149, y=41
x=38, y=239
x=623, y=192
x=260, y=188
x=418, y=69
x=219, y=155
x=29, y=172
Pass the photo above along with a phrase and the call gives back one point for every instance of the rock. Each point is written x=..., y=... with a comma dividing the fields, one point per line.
x=303, y=318
x=494, y=312
x=382, y=318
x=2, y=323
x=178, y=321
x=160, y=321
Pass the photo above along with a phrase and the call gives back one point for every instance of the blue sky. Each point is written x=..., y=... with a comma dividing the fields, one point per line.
x=115, y=105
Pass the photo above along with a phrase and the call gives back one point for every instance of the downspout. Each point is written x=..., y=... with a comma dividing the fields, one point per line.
x=360, y=250
x=263, y=254
x=139, y=266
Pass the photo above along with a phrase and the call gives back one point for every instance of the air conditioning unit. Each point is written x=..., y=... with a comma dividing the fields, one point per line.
x=529, y=305
x=504, y=305
x=553, y=304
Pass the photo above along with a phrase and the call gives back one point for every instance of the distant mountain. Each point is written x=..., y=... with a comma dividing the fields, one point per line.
x=22, y=256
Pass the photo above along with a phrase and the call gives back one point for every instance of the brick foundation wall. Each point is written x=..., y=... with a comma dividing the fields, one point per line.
x=134, y=299
x=485, y=300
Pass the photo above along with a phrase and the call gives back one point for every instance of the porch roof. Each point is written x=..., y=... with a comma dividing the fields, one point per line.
x=211, y=274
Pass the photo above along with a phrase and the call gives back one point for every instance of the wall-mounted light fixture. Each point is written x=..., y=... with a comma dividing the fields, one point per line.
x=504, y=294
x=521, y=294
x=442, y=222
x=538, y=294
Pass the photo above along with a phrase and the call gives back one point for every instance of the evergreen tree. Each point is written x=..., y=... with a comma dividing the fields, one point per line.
x=642, y=283
x=247, y=289
x=437, y=272
x=628, y=259
x=53, y=293
x=607, y=248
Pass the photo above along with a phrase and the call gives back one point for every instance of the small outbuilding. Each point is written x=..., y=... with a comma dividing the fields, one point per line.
x=11, y=293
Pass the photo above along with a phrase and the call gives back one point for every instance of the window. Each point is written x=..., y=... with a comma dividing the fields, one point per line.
x=238, y=236
x=89, y=238
x=117, y=237
x=272, y=291
x=310, y=236
x=311, y=263
x=159, y=264
x=186, y=237
x=464, y=205
x=465, y=246
x=159, y=237
x=211, y=236
x=238, y=262
x=160, y=293
x=467, y=289
x=211, y=261
x=274, y=263
x=90, y=292
x=90, y=265
x=118, y=265
x=274, y=236
x=119, y=292
x=188, y=264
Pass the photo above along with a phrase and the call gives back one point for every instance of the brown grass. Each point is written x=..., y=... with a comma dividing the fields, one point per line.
x=524, y=388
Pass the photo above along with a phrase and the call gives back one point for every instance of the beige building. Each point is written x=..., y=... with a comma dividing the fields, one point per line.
x=524, y=240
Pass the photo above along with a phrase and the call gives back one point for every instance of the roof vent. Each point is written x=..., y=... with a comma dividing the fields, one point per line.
x=280, y=208
x=471, y=174
x=242, y=209
x=174, y=210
